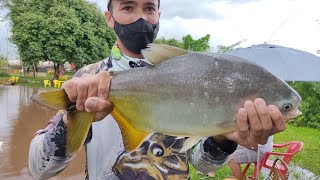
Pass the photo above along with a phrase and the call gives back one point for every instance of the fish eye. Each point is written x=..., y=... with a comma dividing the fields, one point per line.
x=287, y=107
x=157, y=150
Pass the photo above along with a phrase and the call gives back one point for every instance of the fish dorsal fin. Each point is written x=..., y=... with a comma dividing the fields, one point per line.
x=55, y=100
x=158, y=53
x=189, y=143
x=132, y=138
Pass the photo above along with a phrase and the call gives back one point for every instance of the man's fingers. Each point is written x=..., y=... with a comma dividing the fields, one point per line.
x=70, y=88
x=243, y=128
x=99, y=105
x=264, y=116
x=279, y=124
x=96, y=104
x=82, y=89
x=79, y=89
x=104, y=84
x=242, y=123
x=93, y=83
x=254, y=121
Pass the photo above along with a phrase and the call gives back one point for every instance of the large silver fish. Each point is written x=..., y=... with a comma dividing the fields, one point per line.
x=185, y=94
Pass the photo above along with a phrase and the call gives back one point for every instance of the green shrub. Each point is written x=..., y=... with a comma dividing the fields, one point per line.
x=4, y=74
x=310, y=106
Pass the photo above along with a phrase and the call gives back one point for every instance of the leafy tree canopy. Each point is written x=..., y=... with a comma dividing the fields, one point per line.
x=60, y=31
x=188, y=43
x=310, y=106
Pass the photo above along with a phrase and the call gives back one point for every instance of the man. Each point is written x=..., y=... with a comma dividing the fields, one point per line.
x=136, y=23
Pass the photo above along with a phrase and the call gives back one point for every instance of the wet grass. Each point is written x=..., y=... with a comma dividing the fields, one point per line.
x=31, y=84
x=223, y=172
x=26, y=81
x=32, y=81
x=308, y=158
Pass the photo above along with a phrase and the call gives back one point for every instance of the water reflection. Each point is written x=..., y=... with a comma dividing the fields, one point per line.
x=20, y=118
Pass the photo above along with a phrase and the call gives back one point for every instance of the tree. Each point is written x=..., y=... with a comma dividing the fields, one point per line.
x=171, y=42
x=188, y=43
x=60, y=31
x=310, y=106
x=199, y=45
x=224, y=49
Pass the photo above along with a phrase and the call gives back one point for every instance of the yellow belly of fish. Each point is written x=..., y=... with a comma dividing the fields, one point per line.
x=173, y=117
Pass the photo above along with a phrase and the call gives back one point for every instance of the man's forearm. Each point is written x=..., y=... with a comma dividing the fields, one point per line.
x=47, y=154
x=41, y=164
x=209, y=155
x=47, y=149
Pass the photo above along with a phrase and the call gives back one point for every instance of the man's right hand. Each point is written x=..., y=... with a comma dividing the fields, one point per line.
x=90, y=93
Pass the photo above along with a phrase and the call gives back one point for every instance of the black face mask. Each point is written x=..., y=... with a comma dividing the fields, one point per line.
x=137, y=35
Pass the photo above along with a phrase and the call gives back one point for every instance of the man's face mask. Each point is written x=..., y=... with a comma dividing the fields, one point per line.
x=137, y=35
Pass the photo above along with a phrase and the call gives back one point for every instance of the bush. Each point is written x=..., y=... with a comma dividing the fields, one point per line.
x=4, y=74
x=310, y=106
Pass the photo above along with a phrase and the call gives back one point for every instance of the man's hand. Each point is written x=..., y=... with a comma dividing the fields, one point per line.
x=255, y=123
x=90, y=93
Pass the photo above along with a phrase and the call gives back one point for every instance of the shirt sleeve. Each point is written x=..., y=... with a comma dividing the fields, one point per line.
x=209, y=155
x=47, y=153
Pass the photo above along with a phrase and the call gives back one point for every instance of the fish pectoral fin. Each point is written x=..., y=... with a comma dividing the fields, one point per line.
x=158, y=53
x=189, y=143
x=56, y=100
x=132, y=138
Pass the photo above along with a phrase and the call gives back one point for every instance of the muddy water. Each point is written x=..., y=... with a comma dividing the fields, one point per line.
x=20, y=118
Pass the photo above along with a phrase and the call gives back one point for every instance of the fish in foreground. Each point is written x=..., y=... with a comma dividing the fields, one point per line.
x=184, y=94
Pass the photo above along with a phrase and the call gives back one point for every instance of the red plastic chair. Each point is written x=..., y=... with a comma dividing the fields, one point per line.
x=275, y=172
x=293, y=148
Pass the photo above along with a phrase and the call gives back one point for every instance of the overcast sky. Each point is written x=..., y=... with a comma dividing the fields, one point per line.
x=291, y=23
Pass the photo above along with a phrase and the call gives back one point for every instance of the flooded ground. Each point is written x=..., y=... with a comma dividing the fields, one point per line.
x=20, y=118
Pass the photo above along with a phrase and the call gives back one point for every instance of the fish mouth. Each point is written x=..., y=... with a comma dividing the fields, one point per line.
x=292, y=114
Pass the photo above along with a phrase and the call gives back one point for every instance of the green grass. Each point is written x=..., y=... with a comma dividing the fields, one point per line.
x=28, y=81
x=37, y=85
x=223, y=172
x=3, y=79
x=308, y=158
x=70, y=74
x=32, y=81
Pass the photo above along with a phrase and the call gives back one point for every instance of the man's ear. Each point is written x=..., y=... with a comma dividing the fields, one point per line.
x=159, y=14
x=109, y=19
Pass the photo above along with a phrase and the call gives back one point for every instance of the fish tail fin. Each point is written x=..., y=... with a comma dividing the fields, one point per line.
x=79, y=123
x=132, y=138
x=56, y=100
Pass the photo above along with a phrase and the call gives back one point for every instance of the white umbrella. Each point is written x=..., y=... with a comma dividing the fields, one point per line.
x=287, y=63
